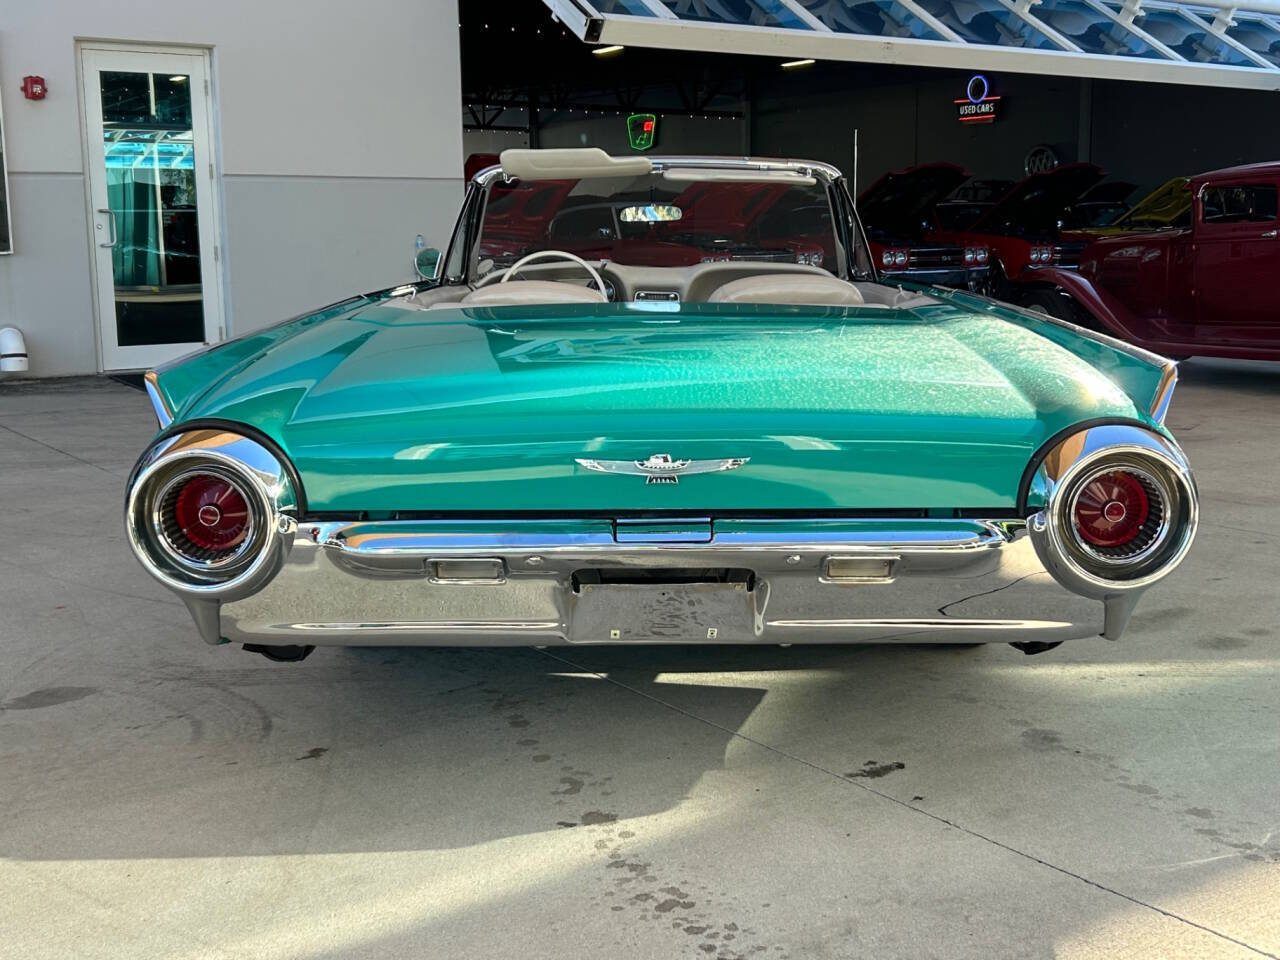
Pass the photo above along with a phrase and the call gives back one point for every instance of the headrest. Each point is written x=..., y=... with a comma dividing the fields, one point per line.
x=518, y=292
x=790, y=290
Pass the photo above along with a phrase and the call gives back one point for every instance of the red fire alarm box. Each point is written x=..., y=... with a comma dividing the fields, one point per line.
x=33, y=88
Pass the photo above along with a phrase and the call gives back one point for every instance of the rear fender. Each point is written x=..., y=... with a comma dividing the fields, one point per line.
x=1148, y=378
x=1110, y=314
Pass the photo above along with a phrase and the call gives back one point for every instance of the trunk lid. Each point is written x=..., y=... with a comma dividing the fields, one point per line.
x=390, y=409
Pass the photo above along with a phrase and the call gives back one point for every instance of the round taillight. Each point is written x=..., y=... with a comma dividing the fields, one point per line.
x=212, y=512
x=1111, y=509
x=205, y=518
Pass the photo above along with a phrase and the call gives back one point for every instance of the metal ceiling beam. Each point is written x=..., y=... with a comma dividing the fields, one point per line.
x=1104, y=11
x=792, y=44
x=1219, y=30
x=579, y=17
x=805, y=16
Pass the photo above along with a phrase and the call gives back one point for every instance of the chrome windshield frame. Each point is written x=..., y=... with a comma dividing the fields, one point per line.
x=830, y=177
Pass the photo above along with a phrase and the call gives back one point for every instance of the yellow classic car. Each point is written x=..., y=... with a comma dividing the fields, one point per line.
x=1169, y=205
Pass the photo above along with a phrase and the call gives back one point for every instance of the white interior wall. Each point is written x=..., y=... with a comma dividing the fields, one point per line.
x=339, y=142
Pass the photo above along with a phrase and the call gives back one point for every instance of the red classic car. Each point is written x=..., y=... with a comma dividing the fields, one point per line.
x=896, y=212
x=1024, y=228
x=1208, y=289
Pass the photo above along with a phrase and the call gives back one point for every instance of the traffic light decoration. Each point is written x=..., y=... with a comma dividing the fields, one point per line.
x=642, y=130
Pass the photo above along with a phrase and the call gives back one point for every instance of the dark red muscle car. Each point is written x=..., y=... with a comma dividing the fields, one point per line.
x=897, y=212
x=1024, y=228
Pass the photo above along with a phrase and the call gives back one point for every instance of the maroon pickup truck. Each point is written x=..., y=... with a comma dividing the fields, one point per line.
x=1211, y=289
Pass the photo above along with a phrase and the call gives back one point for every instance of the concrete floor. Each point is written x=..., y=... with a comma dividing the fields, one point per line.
x=161, y=798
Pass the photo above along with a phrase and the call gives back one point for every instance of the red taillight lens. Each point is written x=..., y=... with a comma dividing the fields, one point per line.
x=1111, y=509
x=211, y=513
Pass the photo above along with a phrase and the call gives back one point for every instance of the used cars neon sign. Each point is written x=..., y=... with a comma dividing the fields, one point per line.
x=978, y=105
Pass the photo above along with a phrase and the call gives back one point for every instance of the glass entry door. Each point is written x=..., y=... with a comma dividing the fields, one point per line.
x=151, y=185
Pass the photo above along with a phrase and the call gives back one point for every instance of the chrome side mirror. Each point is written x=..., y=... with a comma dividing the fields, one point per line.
x=425, y=259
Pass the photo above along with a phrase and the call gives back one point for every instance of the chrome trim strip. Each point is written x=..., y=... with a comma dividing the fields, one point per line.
x=388, y=544
x=1164, y=393
x=158, y=404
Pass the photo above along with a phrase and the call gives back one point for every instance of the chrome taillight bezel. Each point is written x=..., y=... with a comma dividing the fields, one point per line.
x=260, y=476
x=1080, y=457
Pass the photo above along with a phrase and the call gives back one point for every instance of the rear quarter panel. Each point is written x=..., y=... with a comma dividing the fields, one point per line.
x=1145, y=377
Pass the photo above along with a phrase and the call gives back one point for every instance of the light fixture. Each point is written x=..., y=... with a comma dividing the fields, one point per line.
x=177, y=79
x=608, y=51
x=798, y=64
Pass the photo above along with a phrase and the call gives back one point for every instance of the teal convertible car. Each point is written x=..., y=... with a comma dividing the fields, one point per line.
x=660, y=400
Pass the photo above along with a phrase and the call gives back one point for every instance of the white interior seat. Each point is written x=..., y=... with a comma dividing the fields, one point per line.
x=789, y=289
x=531, y=291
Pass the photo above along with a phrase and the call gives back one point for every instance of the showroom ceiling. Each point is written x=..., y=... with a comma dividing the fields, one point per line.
x=1208, y=44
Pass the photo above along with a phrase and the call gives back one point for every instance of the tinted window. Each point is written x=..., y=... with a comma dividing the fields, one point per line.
x=1242, y=203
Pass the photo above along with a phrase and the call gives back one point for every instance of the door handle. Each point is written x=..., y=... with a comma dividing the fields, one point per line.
x=1269, y=235
x=111, y=218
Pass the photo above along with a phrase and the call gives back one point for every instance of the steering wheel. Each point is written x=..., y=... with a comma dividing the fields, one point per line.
x=512, y=270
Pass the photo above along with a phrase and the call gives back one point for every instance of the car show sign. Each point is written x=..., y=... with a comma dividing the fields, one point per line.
x=978, y=105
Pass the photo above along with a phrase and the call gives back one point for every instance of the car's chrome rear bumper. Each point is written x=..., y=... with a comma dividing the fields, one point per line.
x=559, y=582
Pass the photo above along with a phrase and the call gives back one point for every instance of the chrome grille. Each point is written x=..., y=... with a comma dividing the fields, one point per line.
x=936, y=258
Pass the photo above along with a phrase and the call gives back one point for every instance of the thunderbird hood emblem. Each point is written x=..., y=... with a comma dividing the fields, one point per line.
x=660, y=468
